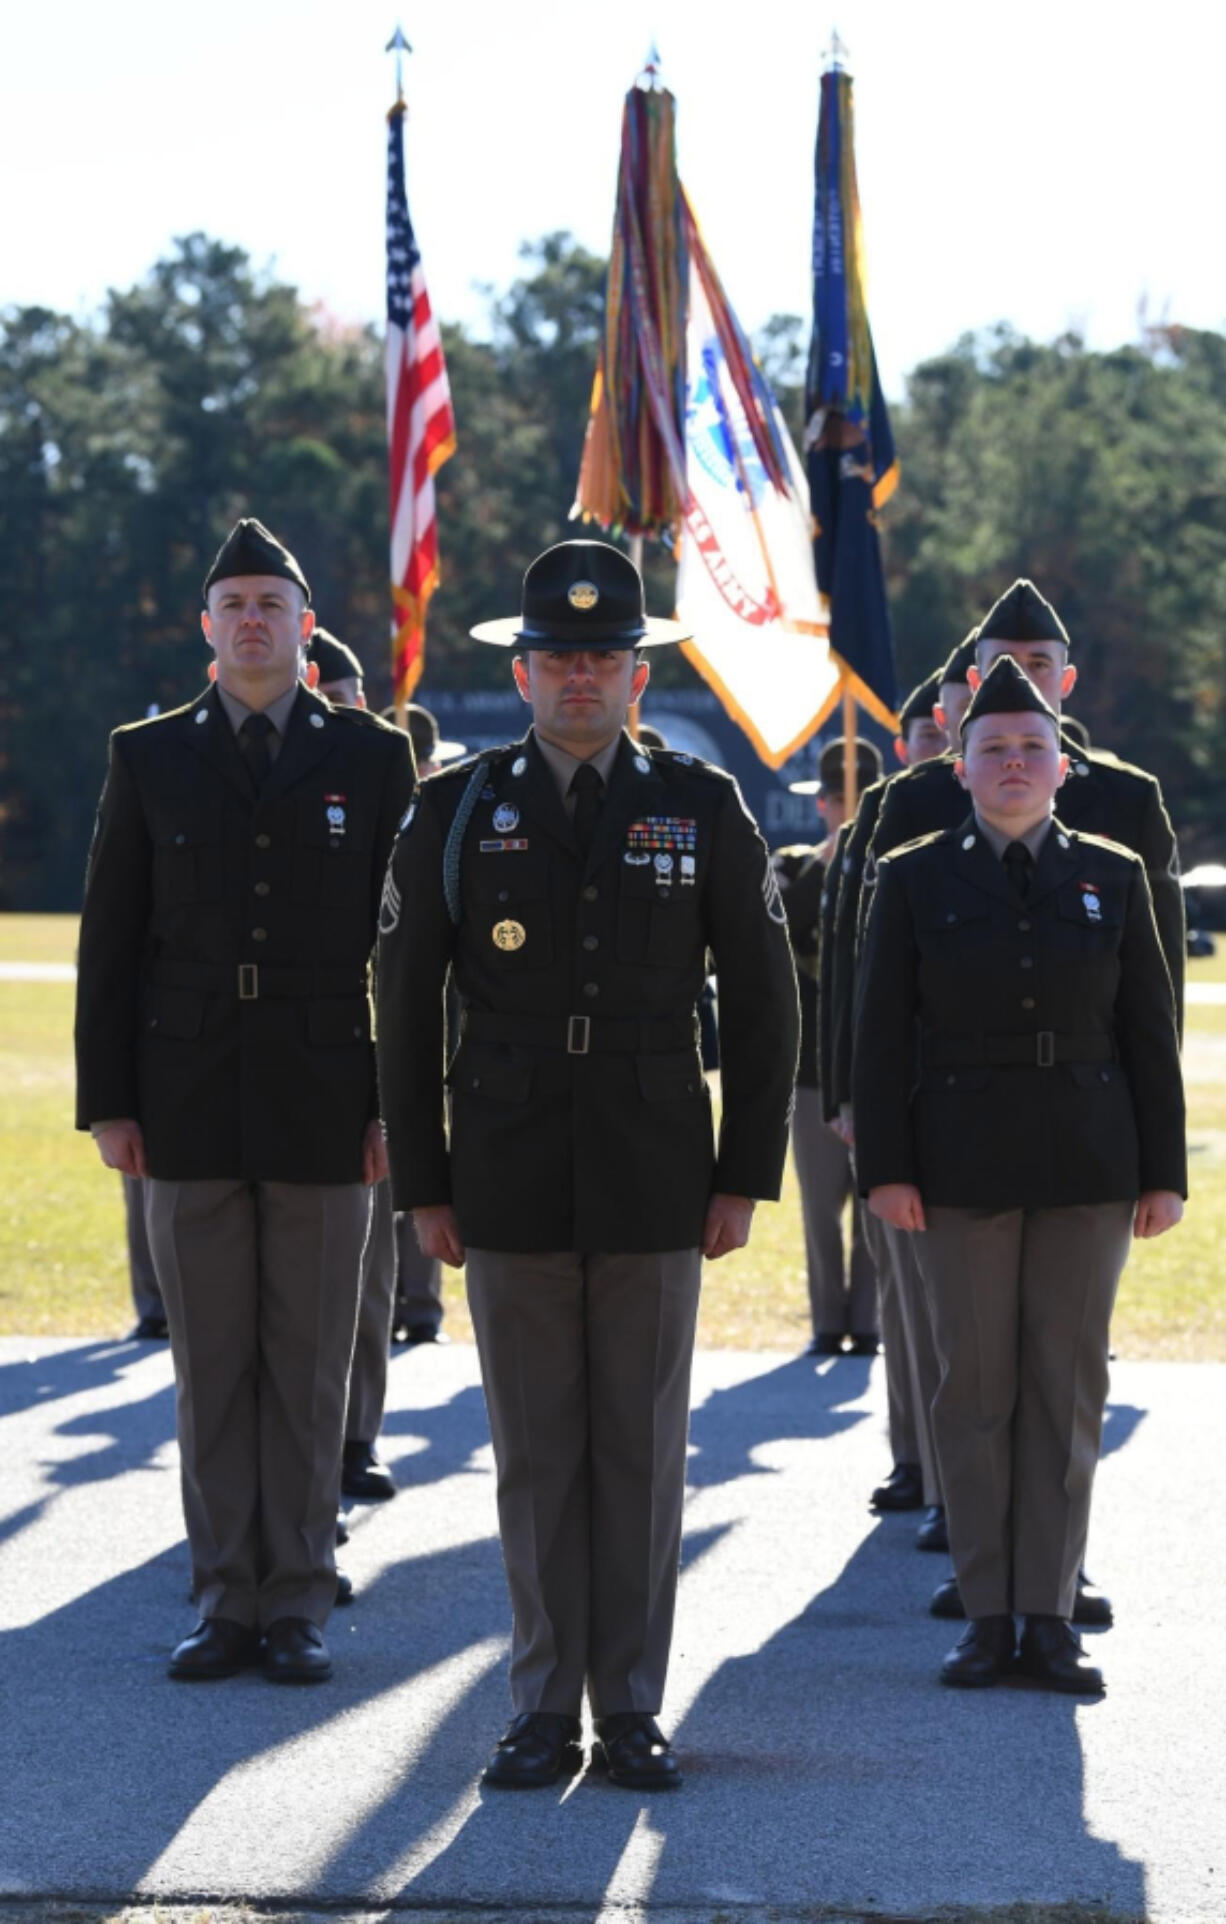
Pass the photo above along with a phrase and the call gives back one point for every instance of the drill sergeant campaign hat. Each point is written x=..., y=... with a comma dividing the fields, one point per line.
x=581, y=594
x=830, y=768
x=1007, y=689
x=334, y=659
x=1022, y=614
x=249, y=549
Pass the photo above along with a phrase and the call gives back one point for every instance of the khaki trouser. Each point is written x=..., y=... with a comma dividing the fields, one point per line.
x=146, y=1296
x=1021, y=1302
x=923, y=1364
x=586, y=1367
x=394, y=1271
x=260, y=1282
x=842, y=1295
x=899, y=1389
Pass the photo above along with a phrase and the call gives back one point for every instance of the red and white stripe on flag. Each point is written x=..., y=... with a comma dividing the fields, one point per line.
x=420, y=432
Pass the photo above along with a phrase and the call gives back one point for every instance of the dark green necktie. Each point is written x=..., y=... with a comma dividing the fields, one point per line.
x=254, y=741
x=1019, y=867
x=588, y=791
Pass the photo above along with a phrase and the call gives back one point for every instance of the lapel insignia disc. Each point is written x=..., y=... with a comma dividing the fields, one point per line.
x=518, y=765
x=509, y=935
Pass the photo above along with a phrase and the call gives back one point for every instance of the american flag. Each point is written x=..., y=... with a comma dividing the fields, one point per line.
x=420, y=425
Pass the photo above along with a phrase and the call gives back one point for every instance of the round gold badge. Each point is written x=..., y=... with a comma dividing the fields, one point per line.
x=509, y=935
x=583, y=595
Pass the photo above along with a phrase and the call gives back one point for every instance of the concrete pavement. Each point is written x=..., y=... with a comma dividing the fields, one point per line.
x=827, y=1773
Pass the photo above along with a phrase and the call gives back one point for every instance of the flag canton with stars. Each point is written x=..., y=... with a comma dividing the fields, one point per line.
x=402, y=254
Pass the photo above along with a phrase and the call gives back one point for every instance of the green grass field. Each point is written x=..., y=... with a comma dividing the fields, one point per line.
x=63, y=1267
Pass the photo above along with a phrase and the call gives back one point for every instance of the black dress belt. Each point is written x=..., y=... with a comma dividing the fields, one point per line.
x=581, y=1035
x=1042, y=1050
x=251, y=981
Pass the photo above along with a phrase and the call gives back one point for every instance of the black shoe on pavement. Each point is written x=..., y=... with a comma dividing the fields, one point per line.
x=344, y=1590
x=635, y=1753
x=903, y=1489
x=295, y=1652
x=1050, y=1654
x=537, y=1748
x=342, y=1527
x=217, y=1647
x=1092, y=1610
x=417, y=1333
x=982, y=1654
x=364, y=1475
x=933, y=1533
x=865, y=1343
x=150, y=1329
x=825, y=1343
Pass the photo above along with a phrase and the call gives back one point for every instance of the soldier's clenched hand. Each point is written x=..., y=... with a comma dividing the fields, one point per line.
x=729, y=1219
x=374, y=1154
x=438, y=1234
x=1157, y=1211
x=899, y=1204
x=122, y=1146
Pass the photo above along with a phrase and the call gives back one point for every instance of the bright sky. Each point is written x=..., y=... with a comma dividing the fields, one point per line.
x=1052, y=165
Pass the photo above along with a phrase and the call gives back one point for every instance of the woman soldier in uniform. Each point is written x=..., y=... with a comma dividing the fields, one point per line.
x=1019, y=1110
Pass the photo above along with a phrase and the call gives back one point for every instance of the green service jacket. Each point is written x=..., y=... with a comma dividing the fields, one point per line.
x=579, y=1115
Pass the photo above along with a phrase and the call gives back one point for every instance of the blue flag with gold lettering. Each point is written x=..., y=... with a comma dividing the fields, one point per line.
x=849, y=447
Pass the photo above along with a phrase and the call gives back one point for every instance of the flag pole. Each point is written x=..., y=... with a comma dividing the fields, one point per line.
x=399, y=45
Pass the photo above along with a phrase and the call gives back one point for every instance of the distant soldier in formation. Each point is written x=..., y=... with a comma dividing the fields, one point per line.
x=842, y=1288
x=1018, y=1117
x=574, y=884
x=224, y=1053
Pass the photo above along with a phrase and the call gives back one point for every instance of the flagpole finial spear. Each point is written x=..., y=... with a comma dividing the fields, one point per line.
x=649, y=73
x=834, y=60
x=399, y=46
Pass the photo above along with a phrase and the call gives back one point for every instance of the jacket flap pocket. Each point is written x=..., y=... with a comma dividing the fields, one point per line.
x=503, y=1076
x=675, y=1077
x=177, y=1013
x=506, y=875
x=185, y=824
x=953, y=911
x=971, y=1077
x=339, y=1020
x=1093, y=1075
x=1091, y=908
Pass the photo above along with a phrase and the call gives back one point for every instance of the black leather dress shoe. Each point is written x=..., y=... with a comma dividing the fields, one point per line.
x=150, y=1329
x=903, y=1489
x=418, y=1333
x=217, y=1647
x=825, y=1343
x=982, y=1654
x=537, y=1748
x=342, y=1527
x=363, y=1475
x=933, y=1533
x=864, y=1343
x=344, y=1590
x=1050, y=1654
x=1091, y=1609
x=295, y=1652
x=635, y=1753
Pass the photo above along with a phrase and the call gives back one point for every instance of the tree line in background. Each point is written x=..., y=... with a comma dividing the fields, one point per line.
x=129, y=444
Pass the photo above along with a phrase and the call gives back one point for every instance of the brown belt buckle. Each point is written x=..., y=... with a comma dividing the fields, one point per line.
x=1046, y=1056
x=248, y=982
x=578, y=1034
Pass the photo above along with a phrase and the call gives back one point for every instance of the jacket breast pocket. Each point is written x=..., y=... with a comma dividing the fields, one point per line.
x=656, y=926
x=331, y=867
x=1088, y=919
x=507, y=905
x=188, y=860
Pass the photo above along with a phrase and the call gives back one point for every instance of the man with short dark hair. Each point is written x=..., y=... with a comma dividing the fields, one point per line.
x=573, y=885
x=224, y=1052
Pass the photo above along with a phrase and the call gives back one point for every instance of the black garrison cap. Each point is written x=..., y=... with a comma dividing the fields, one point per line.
x=581, y=594
x=249, y=549
x=336, y=661
x=1007, y=689
x=921, y=701
x=1022, y=614
x=959, y=659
